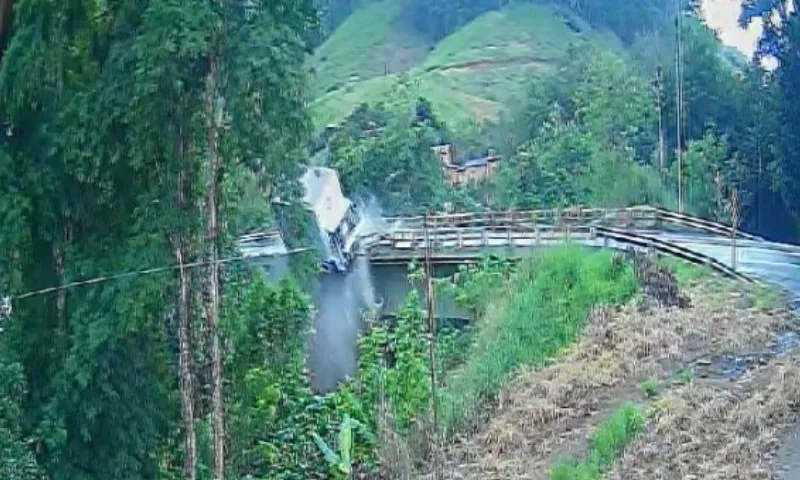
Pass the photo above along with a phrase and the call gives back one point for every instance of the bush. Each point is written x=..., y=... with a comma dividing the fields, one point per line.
x=651, y=387
x=606, y=444
x=685, y=376
x=543, y=310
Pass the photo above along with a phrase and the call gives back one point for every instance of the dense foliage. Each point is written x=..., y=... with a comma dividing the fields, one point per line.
x=781, y=42
x=385, y=151
x=112, y=114
x=109, y=112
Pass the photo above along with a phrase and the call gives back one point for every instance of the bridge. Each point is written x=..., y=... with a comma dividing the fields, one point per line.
x=466, y=237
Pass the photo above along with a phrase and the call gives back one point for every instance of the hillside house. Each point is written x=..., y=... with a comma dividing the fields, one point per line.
x=470, y=171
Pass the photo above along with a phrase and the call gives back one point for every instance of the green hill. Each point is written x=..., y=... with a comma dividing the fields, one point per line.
x=370, y=43
x=472, y=74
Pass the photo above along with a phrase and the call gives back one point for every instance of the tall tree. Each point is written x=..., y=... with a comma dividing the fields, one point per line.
x=780, y=42
x=105, y=149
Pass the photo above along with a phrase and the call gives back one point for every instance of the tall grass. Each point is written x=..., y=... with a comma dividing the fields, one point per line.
x=606, y=444
x=685, y=273
x=543, y=310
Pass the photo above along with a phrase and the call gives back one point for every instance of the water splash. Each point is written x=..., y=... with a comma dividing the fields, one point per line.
x=342, y=300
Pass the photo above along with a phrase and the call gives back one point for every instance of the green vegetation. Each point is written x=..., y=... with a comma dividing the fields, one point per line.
x=767, y=298
x=542, y=310
x=684, y=376
x=520, y=32
x=370, y=43
x=394, y=161
x=606, y=444
x=686, y=273
x=140, y=134
x=474, y=73
x=651, y=387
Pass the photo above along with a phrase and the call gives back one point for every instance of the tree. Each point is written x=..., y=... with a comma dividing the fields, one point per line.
x=105, y=136
x=781, y=41
x=586, y=144
x=391, y=160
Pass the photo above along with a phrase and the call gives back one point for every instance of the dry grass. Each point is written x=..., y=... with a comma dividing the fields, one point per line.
x=545, y=415
x=717, y=430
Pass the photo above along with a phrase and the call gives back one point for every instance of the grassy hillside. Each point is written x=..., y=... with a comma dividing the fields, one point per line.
x=370, y=43
x=472, y=74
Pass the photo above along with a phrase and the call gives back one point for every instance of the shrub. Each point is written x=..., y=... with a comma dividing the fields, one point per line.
x=606, y=444
x=542, y=310
x=651, y=387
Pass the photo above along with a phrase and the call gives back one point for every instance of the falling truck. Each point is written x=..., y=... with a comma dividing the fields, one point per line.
x=337, y=217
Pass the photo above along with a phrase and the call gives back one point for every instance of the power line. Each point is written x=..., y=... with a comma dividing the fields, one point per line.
x=5, y=302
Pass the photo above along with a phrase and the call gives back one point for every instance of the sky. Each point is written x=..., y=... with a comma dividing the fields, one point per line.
x=722, y=16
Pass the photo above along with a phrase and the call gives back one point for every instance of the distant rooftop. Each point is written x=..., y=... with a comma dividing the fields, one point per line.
x=480, y=162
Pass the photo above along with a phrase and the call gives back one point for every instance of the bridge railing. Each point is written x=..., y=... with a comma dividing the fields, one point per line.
x=402, y=245
x=668, y=248
x=638, y=217
x=576, y=215
x=458, y=238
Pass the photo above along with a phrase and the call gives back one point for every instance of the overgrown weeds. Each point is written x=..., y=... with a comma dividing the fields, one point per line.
x=543, y=310
x=607, y=443
x=686, y=273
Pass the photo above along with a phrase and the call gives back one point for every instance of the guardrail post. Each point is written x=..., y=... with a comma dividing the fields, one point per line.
x=509, y=240
x=566, y=232
x=538, y=234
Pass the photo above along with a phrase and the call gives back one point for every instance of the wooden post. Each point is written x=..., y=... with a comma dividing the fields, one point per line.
x=431, y=329
x=735, y=219
x=662, y=154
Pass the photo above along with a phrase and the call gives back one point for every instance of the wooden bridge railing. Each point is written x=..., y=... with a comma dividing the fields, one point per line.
x=668, y=248
x=455, y=244
x=641, y=216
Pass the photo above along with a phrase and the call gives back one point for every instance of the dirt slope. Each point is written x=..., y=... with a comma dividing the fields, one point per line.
x=713, y=428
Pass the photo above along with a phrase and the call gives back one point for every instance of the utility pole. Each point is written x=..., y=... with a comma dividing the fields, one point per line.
x=662, y=160
x=734, y=208
x=429, y=294
x=432, y=345
x=679, y=95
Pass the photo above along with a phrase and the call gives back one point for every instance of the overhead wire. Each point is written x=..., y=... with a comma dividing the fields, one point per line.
x=148, y=271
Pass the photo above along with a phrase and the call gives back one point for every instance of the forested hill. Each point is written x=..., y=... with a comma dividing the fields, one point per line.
x=470, y=70
x=471, y=59
x=574, y=94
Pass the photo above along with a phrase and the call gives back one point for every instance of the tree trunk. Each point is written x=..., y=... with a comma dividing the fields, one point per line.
x=5, y=23
x=212, y=307
x=185, y=355
x=185, y=372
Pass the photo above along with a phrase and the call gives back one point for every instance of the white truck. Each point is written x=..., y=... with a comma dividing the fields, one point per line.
x=337, y=217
